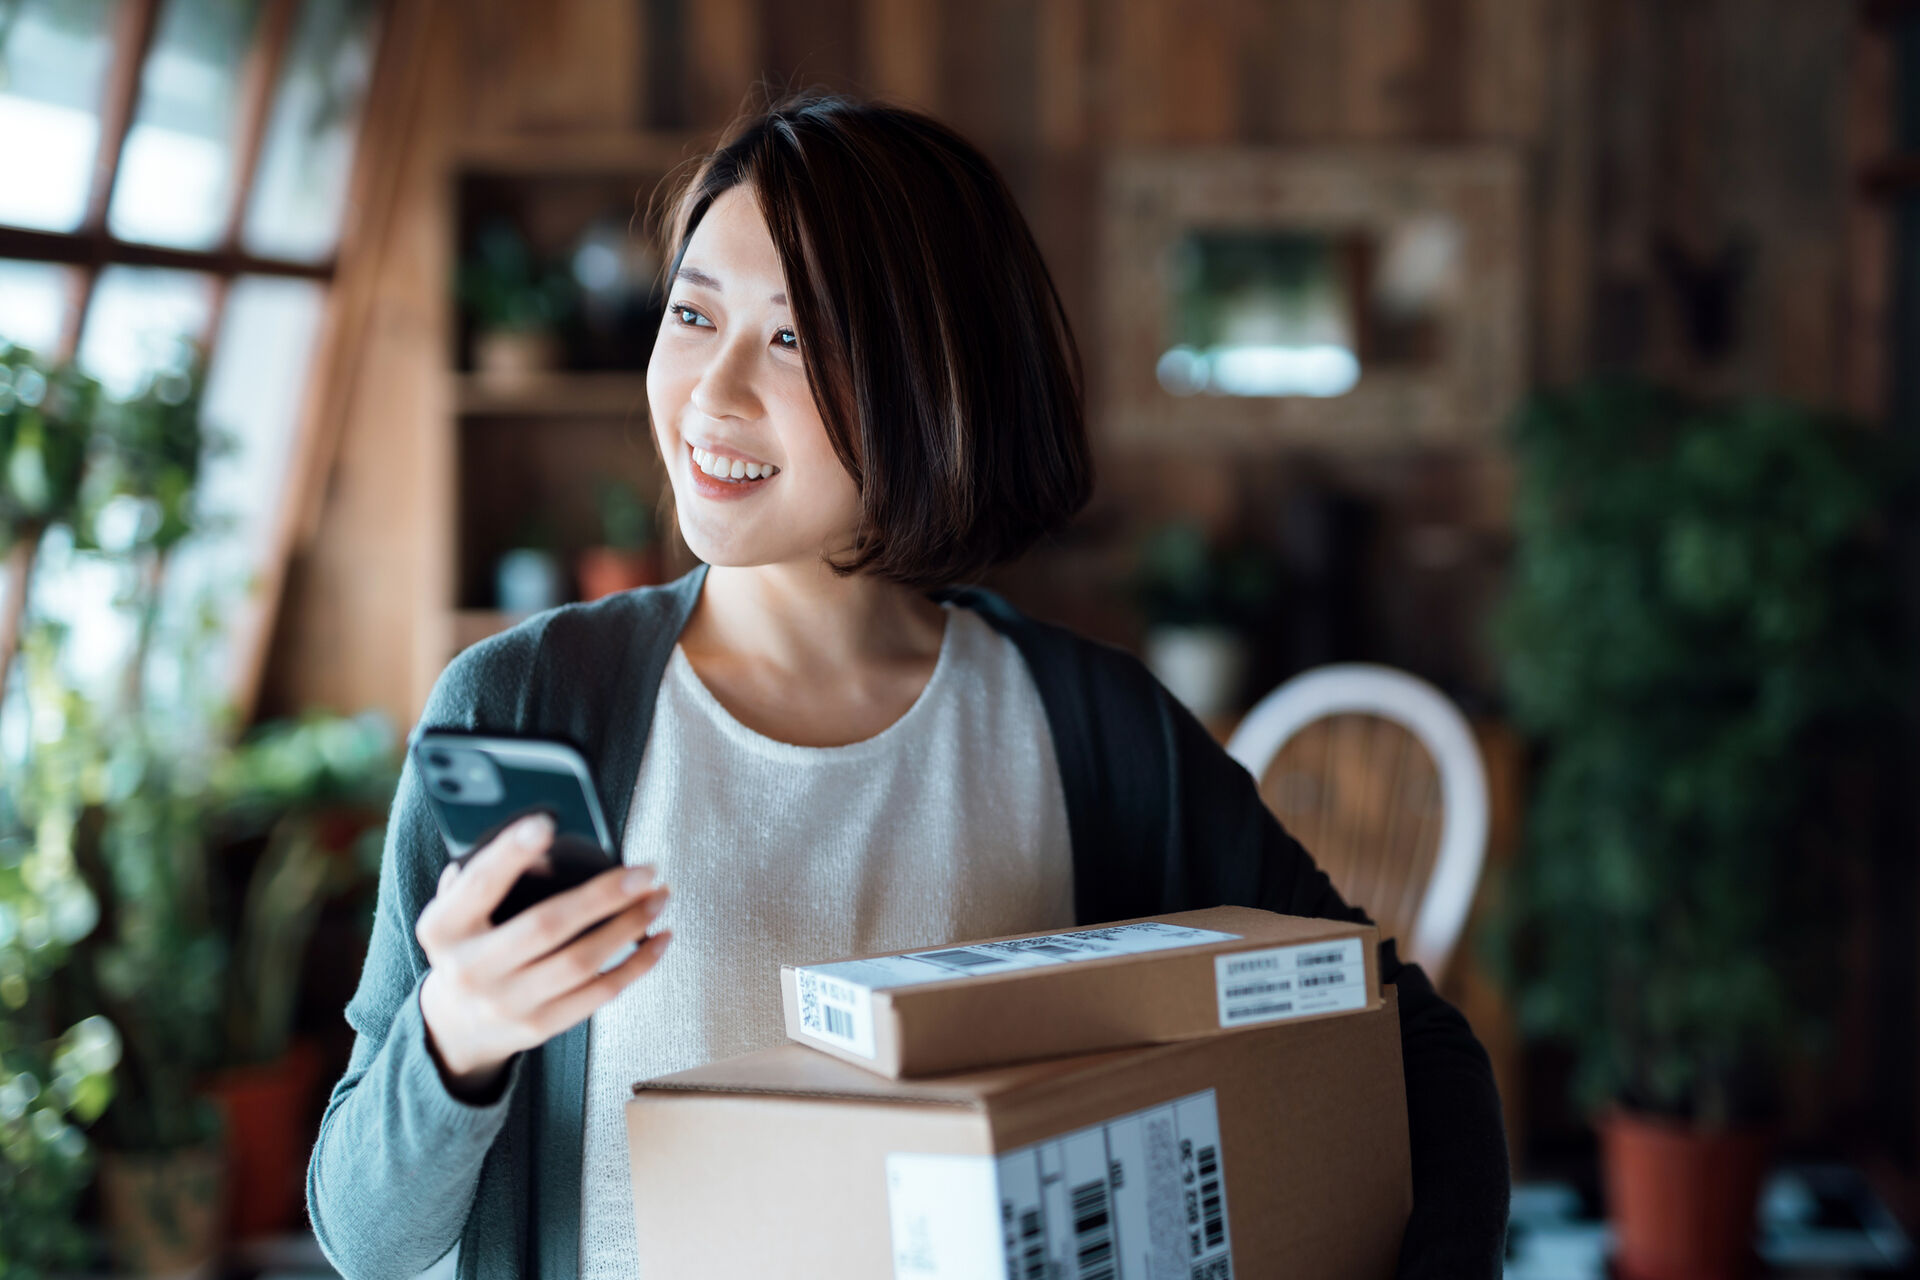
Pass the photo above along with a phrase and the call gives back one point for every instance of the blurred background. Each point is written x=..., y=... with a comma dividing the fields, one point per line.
x=1504, y=414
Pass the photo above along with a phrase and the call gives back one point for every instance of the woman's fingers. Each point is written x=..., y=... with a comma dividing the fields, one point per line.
x=580, y=962
x=547, y=926
x=463, y=903
x=579, y=1003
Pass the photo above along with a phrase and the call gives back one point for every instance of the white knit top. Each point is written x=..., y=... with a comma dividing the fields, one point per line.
x=948, y=824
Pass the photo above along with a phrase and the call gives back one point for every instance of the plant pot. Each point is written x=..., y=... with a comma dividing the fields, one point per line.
x=507, y=359
x=1681, y=1200
x=163, y=1210
x=605, y=570
x=268, y=1138
x=1202, y=666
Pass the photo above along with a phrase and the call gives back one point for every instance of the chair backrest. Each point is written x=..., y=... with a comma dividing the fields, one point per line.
x=1378, y=775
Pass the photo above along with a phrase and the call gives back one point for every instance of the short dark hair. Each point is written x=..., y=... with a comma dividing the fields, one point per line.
x=934, y=341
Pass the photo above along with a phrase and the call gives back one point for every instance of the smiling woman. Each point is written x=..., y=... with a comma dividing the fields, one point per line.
x=930, y=406
x=865, y=392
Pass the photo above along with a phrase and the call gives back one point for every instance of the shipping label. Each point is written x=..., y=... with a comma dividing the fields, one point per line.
x=1140, y=1197
x=1290, y=982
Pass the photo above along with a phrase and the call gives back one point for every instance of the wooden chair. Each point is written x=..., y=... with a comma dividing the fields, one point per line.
x=1379, y=776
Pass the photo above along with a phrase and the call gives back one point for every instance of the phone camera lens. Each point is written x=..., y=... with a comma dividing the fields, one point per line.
x=439, y=759
x=449, y=786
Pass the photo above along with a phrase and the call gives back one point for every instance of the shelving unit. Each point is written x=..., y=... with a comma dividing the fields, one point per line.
x=529, y=454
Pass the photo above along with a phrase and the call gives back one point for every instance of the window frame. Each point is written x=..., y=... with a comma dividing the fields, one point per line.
x=90, y=249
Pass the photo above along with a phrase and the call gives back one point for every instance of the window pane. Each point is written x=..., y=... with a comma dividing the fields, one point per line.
x=254, y=395
x=177, y=169
x=138, y=320
x=301, y=187
x=53, y=59
x=33, y=305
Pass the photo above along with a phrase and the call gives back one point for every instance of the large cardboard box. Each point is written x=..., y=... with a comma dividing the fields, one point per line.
x=1276, y=1150
x=1038, y=995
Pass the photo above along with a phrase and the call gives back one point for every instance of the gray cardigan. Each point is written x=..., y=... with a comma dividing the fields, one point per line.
x=1161, y=819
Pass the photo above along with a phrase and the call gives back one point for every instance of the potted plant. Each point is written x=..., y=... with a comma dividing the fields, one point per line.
x=1698, y=619
x=628, y=555
x=516, y=305
x=292, y=802
x=1200, y=600
x=53, y=1082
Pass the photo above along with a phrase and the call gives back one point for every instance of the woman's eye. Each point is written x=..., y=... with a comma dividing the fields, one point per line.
x=680, y=314
x=788, y=340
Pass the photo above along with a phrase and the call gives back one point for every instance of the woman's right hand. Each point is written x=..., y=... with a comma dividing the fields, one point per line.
x=494, y=990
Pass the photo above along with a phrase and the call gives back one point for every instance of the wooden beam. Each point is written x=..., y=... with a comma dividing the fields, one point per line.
x=94, y=251
x=132, y=38
x=383, y=151
x=259, y=75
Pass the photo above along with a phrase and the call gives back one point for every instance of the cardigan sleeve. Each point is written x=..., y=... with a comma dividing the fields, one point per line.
x=1456, y=1133
x=393, y=1171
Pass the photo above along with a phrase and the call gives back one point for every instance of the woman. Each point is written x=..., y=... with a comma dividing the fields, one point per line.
x=864, y=391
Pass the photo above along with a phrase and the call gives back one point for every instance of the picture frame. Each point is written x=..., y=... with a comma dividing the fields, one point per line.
x=1468, y=199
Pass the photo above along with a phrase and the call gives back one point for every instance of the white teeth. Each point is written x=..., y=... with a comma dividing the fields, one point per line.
x=730, y=468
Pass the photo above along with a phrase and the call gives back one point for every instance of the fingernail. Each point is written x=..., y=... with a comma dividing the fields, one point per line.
x=534, y=830
x=637, y=879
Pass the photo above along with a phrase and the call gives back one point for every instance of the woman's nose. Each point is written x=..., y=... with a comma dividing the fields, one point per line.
x=725, y=386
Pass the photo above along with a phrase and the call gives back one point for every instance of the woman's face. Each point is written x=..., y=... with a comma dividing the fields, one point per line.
x=726, y=379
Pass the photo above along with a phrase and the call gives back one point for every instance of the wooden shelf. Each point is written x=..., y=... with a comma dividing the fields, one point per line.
x=613, y=151
x=559, y=395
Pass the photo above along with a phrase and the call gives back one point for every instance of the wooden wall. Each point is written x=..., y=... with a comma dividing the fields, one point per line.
x=1689, y=200
x=1667, y=140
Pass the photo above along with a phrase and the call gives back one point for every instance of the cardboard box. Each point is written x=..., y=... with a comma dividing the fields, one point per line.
x=1042, y=995
x=1276, y=1150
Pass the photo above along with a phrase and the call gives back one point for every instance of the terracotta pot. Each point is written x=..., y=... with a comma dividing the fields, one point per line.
x=1681, y=1200
x=605, y=570
x=163, y=1210
x=268, y=1138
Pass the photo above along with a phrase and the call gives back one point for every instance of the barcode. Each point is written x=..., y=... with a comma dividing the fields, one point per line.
x=1271, y=1006
x=1056, y=948
x=839, y=1021
x=1259, y=989
x=1256, y=964
x=1033, y=1247
x=959, y=958
x=1211, y=1205
x=1331, y=978
x=1320, y=957
x=1093, y=1231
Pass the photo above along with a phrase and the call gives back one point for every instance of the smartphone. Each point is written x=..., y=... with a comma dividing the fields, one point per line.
x=478, y=786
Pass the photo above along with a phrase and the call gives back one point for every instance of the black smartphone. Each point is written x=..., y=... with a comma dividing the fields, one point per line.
x=478, y=786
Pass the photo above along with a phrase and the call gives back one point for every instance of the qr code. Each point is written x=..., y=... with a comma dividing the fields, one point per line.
x=809, y=1005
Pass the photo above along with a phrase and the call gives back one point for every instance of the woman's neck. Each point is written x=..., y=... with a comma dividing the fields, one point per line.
x=806, y=623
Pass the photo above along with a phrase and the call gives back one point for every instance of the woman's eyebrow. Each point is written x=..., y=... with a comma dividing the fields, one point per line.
x=696, y=276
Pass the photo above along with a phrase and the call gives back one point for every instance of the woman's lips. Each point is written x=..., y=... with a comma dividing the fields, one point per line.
x=709, y=487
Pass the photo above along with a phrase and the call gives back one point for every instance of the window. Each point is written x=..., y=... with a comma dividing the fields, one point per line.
x=178, y=172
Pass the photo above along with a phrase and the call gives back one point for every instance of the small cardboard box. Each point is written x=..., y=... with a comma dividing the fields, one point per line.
x=1042, y=995
x=1276, y=1150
